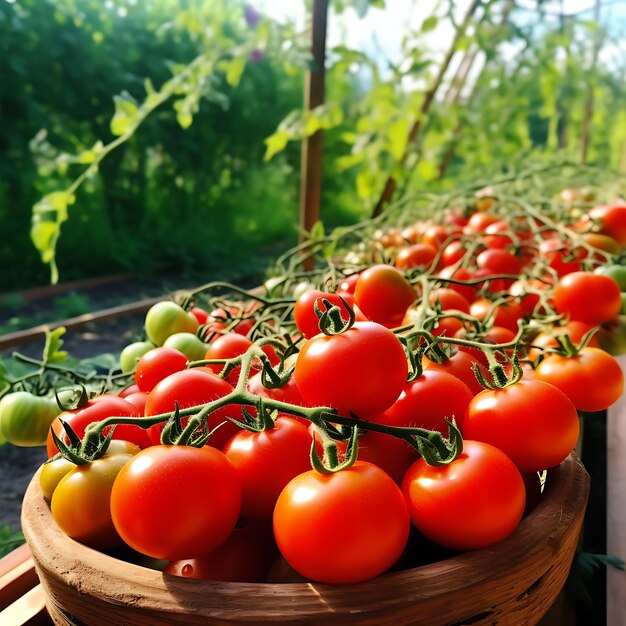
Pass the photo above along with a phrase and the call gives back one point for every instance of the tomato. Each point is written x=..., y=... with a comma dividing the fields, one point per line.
x=156, y=365
x=128, y=390
x=435, y=236
x=459, y=365
x=575, y=330
x=612, y=220
x=132, y=353
x=51, y=475
x=558, y=256
x=499, y=261
x=176, y=502
x=26, y=418
x=462, y=275
x=478, y=222
x=592, y=379
x=245, y=557
x=448, y=326
x=384, y=294
x=505, y=314
x=497, y=235
x=616, y=272
x=139, y=400
x=525, y=293
x=531, y=421
x=453, y=253
x=166, y=318
x=287, y=393
x=426, y=401
x=80, y=502
x=97, y=409
x=587, y=297
x=191, y=388
x=351, y=506
x=601, y=242
x=267, y=461
x=221, y=320
x=200, y=314
x=227, y=346
x=417, y=255
x=449, y=299
x=347, y=285
x=362, y=370
x=304, y=310
x=472, y=503
x=187, y=343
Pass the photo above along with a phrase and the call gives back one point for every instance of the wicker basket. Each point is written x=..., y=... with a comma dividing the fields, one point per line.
x=513, y=583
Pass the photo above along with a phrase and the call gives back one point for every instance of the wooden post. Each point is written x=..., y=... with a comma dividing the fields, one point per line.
x=312, y=147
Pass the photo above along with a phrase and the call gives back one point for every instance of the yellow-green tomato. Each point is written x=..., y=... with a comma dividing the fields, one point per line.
x=166, y=318
x=187, y=343
x=121, y=446
x=132, y=353
x=51, y=475
x=25, y=418
x=81, y=502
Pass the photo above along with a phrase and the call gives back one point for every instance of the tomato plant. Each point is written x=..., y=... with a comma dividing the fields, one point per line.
x=328, y=527
x=176, y=502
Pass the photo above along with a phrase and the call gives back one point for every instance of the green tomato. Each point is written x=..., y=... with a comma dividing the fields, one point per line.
x=166, y=318
x=612, y=336
x=616, y=272
x=25, y=418
x=187, y=343
x=132, y=353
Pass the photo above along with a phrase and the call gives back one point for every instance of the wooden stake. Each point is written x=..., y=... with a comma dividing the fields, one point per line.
x=312, y=147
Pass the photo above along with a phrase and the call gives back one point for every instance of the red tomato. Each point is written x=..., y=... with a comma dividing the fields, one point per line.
x=612, y=220
x=592, y=379
x=128, y=390
x=435, y=236
x=556, y=253
x=138, y=399
x=200, y=314
x=362, y=370
x=498, y=235
x=227, y=346
x=191, y=388
x=384, y=294
x=505, y=314
x=499, y=261
x=531, y=421
x=352, y=506
x=575, y=330
x=588, y=297
x=527, y=299
x=472, y=503
x=245, y=557
x=426, y=401
x=448, y=326
x=96, y=410
x=347, y=285
x=417, y=255
x=176, y=502
x=478, y=222
x=304, y=310
x=453, y=253
x=288, y=393
x=449, y=299
x=267, y=461
x=461, y=275
x=156, y=365
x=459, y=365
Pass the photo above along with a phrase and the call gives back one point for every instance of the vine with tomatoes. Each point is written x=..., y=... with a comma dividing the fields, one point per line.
x=421, y=380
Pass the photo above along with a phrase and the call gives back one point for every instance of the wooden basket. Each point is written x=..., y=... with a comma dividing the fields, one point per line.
x=513, y=583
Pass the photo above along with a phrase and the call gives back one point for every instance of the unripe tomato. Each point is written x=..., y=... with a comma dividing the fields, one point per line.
x=25, y=418
x=132, y=353
x=166, y=318
x=187, y=343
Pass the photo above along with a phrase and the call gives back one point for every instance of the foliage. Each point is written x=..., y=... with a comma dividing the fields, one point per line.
x=9, y=539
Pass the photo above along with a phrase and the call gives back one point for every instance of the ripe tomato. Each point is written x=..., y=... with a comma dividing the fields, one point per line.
x=200, y=314
x=287, y=393
x=449, y=299
x=245, y=557
x=499, y=261
x=472, y=503
x=558, y=256
x=435, y=236
x=95, y=410
x=80, y=502
x=304, y=310
x=426, y=401
x=497, y=235
x=453, y=253
x=462, y=275
x=417, y=255
x=587, y=297
x=362, y=370
x=191, y=388
x=528, y=300
x=138, y=399
x=384, y=294
x=612, y=220
x=347, y=285
x=592, y=379
x=575, y=330
x=267, y=461
x=176, y=502
x=25, y=418
x=156, y=365
x=227, y=346
x=459, y=365
x=478, y=222
x=166, y=318
x=533, y=422
x=353, y=506
x=506, y=314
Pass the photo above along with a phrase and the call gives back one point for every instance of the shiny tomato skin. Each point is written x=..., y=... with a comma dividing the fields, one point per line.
x=587, y=297
x=449, y=299
x=574, y=329
x=304, y=310
x=533, y=422
x=612, y=220
x=460, y=364
x=288, y=393
x=267, y=461
x=558, y=256
x=417, y=255
x=352, y=506
x=470, y=504
x=227, y=346
x=97, y=409
x=592, y=379
x=383, y=294
x=505, y=314
x=176, y=502
x=462, y=275
x=453, y=253
x=499, y=261
x=156, y=365
x=80, y=502
x=191, y=388
x=362, y=370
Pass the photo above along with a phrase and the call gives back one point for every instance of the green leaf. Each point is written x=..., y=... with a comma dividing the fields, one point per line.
x=44, y=235
x=90, y=156
x=317, y=232
x=126, y=114
x=275, y=143
x=398, y=134
x=430, y=23
x=51, y=351
x=235, y=70
x=427, y=170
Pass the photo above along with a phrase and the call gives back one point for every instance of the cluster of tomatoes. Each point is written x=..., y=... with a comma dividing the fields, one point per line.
x=423, y=394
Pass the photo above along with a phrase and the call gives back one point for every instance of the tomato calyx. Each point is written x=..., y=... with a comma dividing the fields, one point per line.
x=499, y=378
x=330, y=320
x=436, y=450
x=330, y=464
x=566, y=347
x=80, y=452
x=72, y=399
